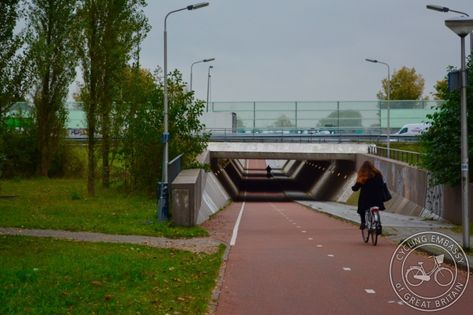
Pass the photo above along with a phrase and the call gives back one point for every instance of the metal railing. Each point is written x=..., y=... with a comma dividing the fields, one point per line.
x=303, y=135
x=410, y=157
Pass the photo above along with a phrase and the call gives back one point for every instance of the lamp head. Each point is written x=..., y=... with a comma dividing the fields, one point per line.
x=372, y=60
x=208, y=60
x=437, y=8
x=197, y=6
x=462, y=26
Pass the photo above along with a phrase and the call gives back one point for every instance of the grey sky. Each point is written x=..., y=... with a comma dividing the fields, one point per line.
x=302, y=49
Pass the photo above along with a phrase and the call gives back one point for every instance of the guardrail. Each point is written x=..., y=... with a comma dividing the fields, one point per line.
x=410, y=157
x=294, y=135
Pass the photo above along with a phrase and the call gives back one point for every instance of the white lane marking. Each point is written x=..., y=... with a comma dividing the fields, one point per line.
x=237, y=224
x=400, y=303
x=298, y=226
x=310, y=238
x=370, y=291
x=304, y=231
x=331, y=255
x=293, y=222
x=391, y=302
x=347, y=268
x=319, y=245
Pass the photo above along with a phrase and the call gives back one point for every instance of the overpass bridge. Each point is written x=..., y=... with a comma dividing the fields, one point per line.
x=299, y=170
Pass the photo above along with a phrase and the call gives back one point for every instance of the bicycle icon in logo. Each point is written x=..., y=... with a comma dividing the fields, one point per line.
x=416, y=275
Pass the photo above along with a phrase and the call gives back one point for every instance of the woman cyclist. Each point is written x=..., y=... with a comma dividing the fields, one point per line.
x=370, y=180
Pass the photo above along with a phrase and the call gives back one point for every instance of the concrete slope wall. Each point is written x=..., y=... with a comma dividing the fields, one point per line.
x=412, y=193
x=196, y=195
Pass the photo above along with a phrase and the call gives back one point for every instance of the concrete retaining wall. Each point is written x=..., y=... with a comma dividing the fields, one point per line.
x=413, y=195
x=196, y=195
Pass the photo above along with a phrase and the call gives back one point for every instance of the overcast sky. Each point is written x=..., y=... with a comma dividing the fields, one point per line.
x=280, y=50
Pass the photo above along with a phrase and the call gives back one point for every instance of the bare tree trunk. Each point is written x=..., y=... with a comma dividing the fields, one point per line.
x=105, y=150
x=90, y=155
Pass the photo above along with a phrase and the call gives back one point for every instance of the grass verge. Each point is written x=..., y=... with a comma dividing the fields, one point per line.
x=46, y=276
x=64, y=204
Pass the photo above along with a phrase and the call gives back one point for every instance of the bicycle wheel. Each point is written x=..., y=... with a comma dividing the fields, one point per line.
x=443, y=276
x=412, y=276
x=374, y=228
x=365, y=234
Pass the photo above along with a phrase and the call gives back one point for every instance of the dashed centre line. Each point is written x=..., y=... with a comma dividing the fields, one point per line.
x=370, y=291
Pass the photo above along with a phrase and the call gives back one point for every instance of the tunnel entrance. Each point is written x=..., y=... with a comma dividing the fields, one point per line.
x=247, y=179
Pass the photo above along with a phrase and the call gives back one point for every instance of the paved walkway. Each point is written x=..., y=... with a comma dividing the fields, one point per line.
x=196, y=245
x=396, y=227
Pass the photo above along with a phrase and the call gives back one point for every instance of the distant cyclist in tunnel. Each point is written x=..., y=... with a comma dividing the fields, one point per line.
x=268, y=171
x=370, y=181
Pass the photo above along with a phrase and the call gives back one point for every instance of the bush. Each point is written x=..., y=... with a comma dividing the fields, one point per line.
x=70, y=161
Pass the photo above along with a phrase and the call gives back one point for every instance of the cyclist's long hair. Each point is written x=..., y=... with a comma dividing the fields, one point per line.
x=366, y=172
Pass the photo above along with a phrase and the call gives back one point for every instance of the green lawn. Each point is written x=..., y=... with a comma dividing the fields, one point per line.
x=63, y=204
x=46, y=276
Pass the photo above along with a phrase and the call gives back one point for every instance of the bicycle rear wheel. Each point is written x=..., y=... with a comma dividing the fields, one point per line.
x=365, y=233
x=374, y=229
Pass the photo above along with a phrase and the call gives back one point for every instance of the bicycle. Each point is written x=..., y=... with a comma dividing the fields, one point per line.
x=416, y=275
x=372, y=226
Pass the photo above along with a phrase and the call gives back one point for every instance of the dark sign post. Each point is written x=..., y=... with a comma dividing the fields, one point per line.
x=162, y=193
x=455, y=80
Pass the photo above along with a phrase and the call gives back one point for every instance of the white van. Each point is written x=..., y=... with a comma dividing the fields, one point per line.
x=412, y=129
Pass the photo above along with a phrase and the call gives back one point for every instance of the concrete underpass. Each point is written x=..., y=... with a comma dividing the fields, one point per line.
x=320, y=180
x=319, y=172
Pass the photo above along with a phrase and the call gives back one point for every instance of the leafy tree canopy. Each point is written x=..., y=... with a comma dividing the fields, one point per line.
x=442, y=140
x=406, y=84
x=12, y=64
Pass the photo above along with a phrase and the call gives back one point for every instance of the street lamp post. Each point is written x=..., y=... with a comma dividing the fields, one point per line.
x=192, y=65
x=445, y=9
x=388, y=103
x=208, y=87
x=163, y=189
x=463, y=26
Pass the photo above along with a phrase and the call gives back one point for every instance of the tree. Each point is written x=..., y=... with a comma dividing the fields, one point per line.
x=139, y=120
x=343, y=118
x=13, y=66
x=442, y=140
x=110, y=30
x=53, y=54
x=441, y=89
x=13, y=87
x=406, y=84
x=283, y=122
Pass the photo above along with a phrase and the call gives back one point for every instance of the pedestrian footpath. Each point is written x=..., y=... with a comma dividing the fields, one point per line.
x=196, y=245
x=396, y=227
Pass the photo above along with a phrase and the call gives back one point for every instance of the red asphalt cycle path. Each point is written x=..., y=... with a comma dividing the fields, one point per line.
x=289, y=259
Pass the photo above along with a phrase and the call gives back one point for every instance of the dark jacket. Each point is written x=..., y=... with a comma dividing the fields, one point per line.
x=371, y=194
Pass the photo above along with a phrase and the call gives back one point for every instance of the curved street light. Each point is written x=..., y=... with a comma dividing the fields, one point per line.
x=208, y=88
x=445, y=9
x=463, y=26
x=192, y=65
x=163, y=189
x=388, y=103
